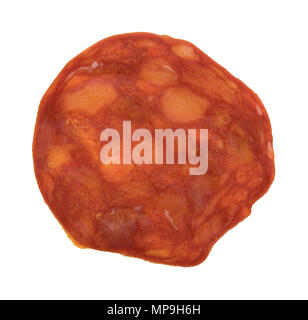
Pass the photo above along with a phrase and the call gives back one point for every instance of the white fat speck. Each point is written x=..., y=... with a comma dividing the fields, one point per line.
x=94, y=65
x=138, y=208
x=169, y=68
x=82, y=68
x=259, y=110
x=171, y=220
x=270, y=151
x=70, y=75
x=112, y=211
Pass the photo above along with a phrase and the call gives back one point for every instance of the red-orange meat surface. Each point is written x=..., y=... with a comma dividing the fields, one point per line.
x=157, y=212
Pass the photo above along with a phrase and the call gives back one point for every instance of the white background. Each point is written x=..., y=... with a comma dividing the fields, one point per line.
x=264, y=43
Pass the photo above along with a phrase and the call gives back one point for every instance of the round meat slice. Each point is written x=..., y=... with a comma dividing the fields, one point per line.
x=145, y=146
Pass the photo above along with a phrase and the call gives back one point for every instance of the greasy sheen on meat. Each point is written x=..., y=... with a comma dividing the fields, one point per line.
x=157, y=212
